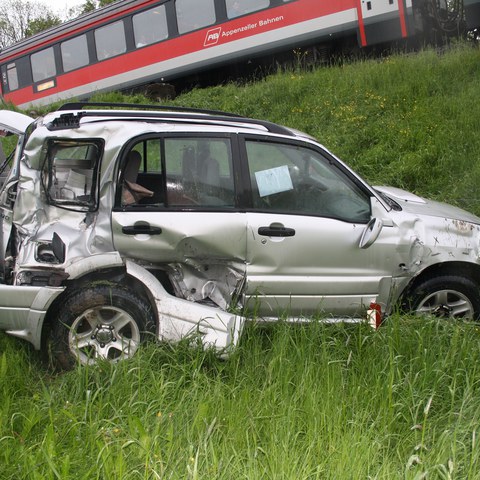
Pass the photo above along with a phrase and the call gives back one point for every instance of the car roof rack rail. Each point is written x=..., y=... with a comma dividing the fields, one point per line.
x=185, y=113
x=140, y=106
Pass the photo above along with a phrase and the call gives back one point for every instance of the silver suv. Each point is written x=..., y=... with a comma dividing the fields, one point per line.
x=122, y=223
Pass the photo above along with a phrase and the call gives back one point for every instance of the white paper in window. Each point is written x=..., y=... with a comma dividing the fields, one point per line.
x=273, y=180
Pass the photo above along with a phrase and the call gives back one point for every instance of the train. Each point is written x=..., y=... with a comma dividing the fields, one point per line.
x=132, y=43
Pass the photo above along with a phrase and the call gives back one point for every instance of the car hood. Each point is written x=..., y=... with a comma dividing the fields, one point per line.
x=418, y=205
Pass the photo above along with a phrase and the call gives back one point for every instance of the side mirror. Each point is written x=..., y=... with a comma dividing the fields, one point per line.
x=371, y=233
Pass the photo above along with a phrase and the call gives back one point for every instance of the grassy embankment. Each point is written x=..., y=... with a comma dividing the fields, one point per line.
x=304, y=402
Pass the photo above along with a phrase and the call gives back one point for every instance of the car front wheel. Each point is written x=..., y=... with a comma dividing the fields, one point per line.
x=106, y=322
x=446, y=296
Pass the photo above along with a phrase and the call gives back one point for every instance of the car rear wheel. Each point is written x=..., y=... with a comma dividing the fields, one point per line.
x=106, y=322
x=446, y=296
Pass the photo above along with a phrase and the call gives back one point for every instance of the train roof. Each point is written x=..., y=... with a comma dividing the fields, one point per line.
x=112, y=10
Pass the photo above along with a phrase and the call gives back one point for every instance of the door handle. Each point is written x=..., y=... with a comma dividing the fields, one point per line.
x=141, y=230
x=276, y=231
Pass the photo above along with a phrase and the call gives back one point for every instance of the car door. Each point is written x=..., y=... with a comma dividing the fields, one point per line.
x=20, y=313
x=11, y=123
x=176, y=211
x=307, y=218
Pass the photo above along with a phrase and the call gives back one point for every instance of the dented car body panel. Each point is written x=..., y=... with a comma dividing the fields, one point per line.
x=205, y=220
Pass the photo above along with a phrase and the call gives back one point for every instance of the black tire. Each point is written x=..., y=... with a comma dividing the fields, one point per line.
x=101, y=321
x=445, y=296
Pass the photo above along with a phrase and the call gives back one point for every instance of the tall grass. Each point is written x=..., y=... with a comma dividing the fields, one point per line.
x=293, y=402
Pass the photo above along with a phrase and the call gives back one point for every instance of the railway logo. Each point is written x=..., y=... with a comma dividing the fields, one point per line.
x=212, y=37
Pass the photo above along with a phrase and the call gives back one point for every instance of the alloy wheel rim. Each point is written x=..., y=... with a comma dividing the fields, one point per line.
x=446, y=303
x=103, y=332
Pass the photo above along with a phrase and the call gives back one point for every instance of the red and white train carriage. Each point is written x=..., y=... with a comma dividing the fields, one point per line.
x=134, y=42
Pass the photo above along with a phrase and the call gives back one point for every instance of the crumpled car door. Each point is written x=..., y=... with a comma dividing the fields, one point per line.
x=10, y=123
x=177, y=215
x=14, y=122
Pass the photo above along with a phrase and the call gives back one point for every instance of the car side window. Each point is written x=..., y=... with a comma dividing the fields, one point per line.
x=199, y=172
x=178, y=172
x=141, y=177
x=295, y=179
x=70, y=171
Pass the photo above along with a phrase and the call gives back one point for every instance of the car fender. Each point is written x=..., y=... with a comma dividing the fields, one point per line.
x=179, y=318
x=83, y=266
x=24, y=315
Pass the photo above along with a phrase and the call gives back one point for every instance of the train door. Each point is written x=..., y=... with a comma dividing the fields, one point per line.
x=383, y=21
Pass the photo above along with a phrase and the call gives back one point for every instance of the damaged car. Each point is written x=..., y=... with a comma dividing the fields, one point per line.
x=119, y=224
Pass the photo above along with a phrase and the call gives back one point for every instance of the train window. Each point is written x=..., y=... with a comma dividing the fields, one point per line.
x=235, y=8
x=150, y=26
x=12, y=76
x=110, y=40
x=74, y=53
x=193, y=14
x=43, y=64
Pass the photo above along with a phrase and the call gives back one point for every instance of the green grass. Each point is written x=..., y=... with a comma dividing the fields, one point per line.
x=293, y=402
